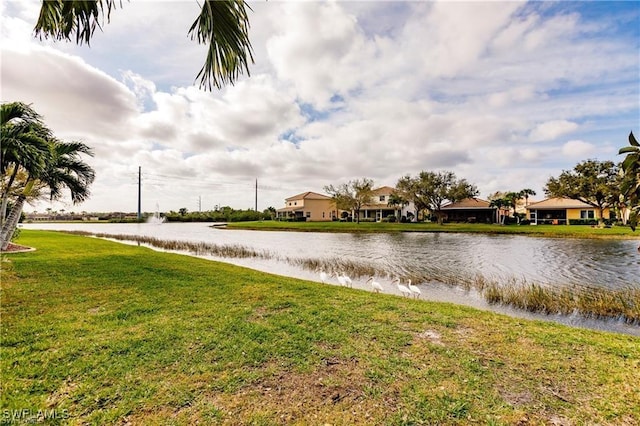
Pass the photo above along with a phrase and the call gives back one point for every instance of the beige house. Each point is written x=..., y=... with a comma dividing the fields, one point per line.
x=311, y=206
x=560, y=211
x=308, y=206
x=379, y=208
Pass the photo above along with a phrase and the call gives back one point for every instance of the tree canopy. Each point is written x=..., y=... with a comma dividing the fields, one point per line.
x=593, y=182
x=432, y=190
x=352, y=195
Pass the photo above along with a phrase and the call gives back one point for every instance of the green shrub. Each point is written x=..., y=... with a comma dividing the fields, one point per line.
x=583, y=221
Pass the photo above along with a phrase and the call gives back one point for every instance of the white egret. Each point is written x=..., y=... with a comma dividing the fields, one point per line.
x=323, y=276
x=341, y=279
x=402, y=288
x=347, y=281
x=375, y=285
x=414, y=290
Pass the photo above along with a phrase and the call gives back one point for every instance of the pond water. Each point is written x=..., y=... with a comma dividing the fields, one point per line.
x=430, y=259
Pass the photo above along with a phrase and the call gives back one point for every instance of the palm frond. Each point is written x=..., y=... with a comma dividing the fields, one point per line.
x=18, y=111
x=60, y=19
x=628, y=149
x=24, y=145
x=224, y=26
x=67, y=170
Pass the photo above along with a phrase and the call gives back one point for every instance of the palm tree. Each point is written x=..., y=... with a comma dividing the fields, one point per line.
x=271, y=211
x=498, y=204
x=64, y=169
x=525, y=193
x=511, y=201
x=23, y=148
x=397, y=202
x=223, y=25
x=630, y=187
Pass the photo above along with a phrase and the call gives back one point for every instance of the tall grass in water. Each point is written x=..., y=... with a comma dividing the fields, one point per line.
x=197, y=248
x=591, y=302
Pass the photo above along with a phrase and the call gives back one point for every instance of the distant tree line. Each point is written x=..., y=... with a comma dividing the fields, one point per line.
x=221, y=214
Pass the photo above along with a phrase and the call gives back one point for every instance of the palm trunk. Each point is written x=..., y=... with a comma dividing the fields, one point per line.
x=10, y=224
x=5, y=196
x=3, y=210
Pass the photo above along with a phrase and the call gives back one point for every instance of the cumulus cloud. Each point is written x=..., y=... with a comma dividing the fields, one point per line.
x=339, y=91
x=457, y=34
x=319, y=48
x=578, y=149
x=551, y=130
x=75, y=98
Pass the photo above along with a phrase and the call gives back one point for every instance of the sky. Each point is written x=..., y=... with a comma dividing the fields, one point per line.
x=505, y=94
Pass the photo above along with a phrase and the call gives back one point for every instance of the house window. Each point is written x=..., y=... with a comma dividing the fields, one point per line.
x=323, y=215
x=587, y=214
x=382, y=198
x=308, y=214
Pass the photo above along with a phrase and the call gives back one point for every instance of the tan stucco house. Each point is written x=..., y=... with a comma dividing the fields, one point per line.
x=308, y=206
x=312, y=206
x=379, y=207
x=560, y=211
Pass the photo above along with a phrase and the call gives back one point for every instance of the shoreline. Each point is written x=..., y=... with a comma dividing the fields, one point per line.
x=535, y=231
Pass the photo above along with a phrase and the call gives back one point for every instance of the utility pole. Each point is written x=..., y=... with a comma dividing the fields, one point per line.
x=256, y=195
x=199, y=203
x=139, y=193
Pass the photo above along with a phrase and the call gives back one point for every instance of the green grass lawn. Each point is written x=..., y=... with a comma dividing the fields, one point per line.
x=96, y=332
x=579, y=231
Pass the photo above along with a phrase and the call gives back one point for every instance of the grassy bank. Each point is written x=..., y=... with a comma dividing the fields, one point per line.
x=103, y=333
x=577, y=231
x=587, y=300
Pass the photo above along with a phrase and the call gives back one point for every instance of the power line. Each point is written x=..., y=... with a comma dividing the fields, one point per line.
x=164, y=179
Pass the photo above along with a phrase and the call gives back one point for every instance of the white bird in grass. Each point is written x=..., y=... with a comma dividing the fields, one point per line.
x=414, y=290
x=347, y=281
x=375, y=285
x=323, y=276
x=402, y=288
x=341, y=279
